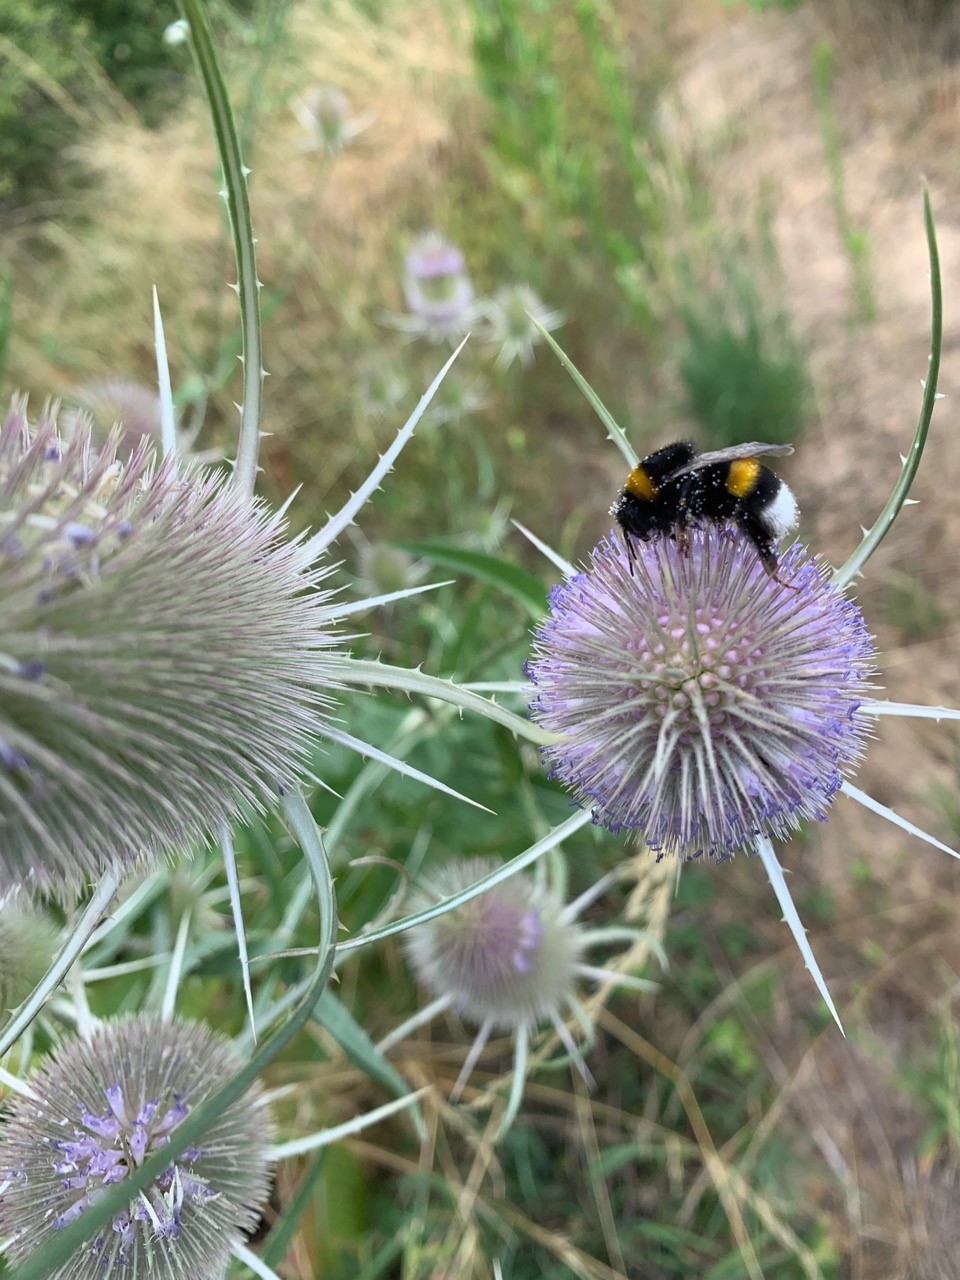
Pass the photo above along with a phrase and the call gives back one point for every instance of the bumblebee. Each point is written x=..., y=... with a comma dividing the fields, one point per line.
x=675, y=488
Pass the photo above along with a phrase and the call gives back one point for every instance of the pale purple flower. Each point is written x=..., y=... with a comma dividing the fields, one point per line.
x=164, y=655
x=98, y=1109
x=509, y=958
x=506, y=957
x=699, y=701
x=437, y=288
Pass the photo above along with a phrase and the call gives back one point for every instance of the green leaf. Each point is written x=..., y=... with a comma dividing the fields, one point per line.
x=524, y=587
x=362, y=1052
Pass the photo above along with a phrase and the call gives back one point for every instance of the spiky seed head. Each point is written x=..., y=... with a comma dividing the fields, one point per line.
x=509, y=322
x=436, y=286
x=700, y=700
x=383, y=388
x=103, y=1106
x=164, y=655
x=506, y=955
x=28, y=941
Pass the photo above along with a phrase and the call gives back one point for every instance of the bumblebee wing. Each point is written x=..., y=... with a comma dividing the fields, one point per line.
x=733, y=454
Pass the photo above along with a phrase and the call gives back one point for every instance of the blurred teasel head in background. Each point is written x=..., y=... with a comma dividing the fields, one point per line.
x=116, y=402
x=437, y=288
x=509, y=958
x=506, y=955
x=512, y=321
x=324, y=113
x=28, y=943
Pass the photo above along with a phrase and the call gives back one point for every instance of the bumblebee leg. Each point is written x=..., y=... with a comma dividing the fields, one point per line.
x=766, y=546
x=686, y=513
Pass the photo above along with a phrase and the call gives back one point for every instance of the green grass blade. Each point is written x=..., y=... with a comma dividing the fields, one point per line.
x=515, y=582
x=362, y=1052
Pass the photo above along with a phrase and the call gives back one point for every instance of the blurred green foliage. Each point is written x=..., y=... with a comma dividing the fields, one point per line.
x=855, y=240
x=568, y=132
x=56, y=56
x=741, y=367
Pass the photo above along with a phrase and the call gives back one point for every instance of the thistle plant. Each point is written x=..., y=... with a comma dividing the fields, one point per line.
x=507, y=959
x=438, y=291
x=705, y=705
x=513, y=320
x=94, y=1113
x=698, y=701
x=164, y=655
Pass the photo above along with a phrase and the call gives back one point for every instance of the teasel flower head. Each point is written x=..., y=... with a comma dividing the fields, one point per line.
x=325, y=115
x=506, y=956
x=510, y=958
x=438, y=290
x=383, y=388
x=164, y=655
x=28, y=941
x=384, y=569
x=511, y=319
x=699, y=701
x=95, y=1113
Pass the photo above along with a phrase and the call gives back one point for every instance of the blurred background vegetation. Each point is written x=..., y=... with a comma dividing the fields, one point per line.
x=723, y=200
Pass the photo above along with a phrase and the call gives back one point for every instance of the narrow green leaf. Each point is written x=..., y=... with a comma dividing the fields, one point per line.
x=522, y=586
x=362, y=1052
x=279, y=1239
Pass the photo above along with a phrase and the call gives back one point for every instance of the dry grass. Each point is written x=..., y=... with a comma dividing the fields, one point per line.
x=326, y=231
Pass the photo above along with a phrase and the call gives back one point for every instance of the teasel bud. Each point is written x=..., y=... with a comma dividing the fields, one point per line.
x=165, y=656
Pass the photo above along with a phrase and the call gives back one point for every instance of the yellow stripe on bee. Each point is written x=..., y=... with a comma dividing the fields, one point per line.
x=742, y=476
x=640, y=485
